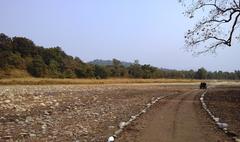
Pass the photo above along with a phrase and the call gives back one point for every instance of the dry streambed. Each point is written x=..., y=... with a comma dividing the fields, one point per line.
x=72, y=112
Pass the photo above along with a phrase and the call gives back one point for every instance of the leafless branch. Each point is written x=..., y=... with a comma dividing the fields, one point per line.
x=212, y=30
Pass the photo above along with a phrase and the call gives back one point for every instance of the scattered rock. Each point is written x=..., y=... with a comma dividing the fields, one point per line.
x=28, y=119
x=56, y=104
x=122, y=125
x=46, y=112
x=42, y=112
x=7, y=101
x=222, y=125
x=42, y=104
x=111, y=127
x=133, y=117
x=7, y=137
x=32, y=135
x=24, y=134
x=216, y=119
x=111, y=139
x=44, y=128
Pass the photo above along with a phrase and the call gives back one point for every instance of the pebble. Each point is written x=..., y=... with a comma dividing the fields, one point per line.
x=46, y=112
x=133, y=117
x=56, y=104
x=122, y=125
x=7, y=101
x=32, y=135
x=44, y=127
x=28, y=119
x=216, y=119
x=24, y=134
x=42, y=104
x=111, y=139
x=111, y=127
x=222, y=125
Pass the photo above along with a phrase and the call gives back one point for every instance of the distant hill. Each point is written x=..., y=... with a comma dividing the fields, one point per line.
x=108, y=62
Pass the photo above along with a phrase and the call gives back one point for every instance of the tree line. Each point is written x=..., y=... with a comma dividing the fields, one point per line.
x=22, y=54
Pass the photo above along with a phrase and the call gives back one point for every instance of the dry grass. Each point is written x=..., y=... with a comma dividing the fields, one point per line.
x=14, y=73
x=42, y=81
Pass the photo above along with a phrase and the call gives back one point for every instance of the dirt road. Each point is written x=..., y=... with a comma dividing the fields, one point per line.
x=175, y=119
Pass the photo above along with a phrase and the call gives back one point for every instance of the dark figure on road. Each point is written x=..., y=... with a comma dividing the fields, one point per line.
x=203, y=85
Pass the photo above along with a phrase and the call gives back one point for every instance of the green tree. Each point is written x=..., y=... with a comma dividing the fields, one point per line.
x=135, y=71
x=81, y=71
x=148, y=71
x=5, y=43
x=100, y=72
x=237, y=74
x=116, y=62
x=201, y=73
x=90, y=71
x=24, y=46
x=54, y=69
x=4, y=55
x=37, y=68
x=16, y=61
x=5, y=50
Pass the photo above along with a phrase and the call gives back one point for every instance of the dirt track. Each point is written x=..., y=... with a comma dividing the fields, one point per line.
x=175, y=119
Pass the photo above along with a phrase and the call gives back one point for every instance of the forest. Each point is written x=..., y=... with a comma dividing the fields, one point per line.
x=20, y=57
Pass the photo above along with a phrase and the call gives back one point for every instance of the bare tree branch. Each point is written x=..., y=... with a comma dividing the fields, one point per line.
x=218, y=25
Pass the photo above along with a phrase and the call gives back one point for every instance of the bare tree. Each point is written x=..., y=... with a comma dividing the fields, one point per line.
x=218, y=27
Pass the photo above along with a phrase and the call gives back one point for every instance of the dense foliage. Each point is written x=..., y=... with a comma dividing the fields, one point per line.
x=19, y=53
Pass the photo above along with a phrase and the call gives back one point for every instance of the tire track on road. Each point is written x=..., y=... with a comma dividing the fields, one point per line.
x=184, y=96
x=171, y=120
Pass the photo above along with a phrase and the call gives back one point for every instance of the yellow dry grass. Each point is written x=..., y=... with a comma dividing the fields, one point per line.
x=42, y=81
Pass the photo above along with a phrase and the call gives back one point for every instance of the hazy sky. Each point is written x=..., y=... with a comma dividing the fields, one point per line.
x=151, y=31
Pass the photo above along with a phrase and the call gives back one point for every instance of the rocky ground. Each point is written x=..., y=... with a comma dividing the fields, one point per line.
x=224, y=102
x=72, y=112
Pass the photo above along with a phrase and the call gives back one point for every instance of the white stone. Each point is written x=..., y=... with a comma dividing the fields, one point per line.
x=32, y=135
x=122, y=125
x=222, y=125
x=111, y=139
x=216, y=119
x=133, y=117
x=144, y=111
x=42, y=104
x=7, y=101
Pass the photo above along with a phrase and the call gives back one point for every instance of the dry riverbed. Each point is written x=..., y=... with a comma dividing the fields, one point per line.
x=72, y=112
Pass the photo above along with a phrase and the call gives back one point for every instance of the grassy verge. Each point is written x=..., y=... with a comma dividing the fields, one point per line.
x=42, y=81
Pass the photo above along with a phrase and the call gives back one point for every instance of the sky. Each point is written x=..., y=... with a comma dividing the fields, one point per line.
x=150, y=31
